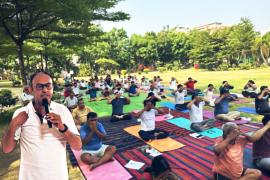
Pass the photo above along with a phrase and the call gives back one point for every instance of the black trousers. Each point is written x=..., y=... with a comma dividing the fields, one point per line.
x=147, y=135
x=249, y=94
x=114, y=118
x=181, y=107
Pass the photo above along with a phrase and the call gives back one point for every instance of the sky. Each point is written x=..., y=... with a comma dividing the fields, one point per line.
x=153, y=15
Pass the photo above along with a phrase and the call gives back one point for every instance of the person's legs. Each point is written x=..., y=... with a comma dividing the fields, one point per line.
x=263, y=163
x=126, y=117
x=87, y=158
x=197, y=127
x=253, y=95
x=234, y=115
x=181, y=107
x=160, y=134
x=146, y=135
x=224, y=117
x=114, y=118
x=107, y=153
x=251, y=174
x=245, y=94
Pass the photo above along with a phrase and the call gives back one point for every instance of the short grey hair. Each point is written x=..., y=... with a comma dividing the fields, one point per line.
x=227, y=128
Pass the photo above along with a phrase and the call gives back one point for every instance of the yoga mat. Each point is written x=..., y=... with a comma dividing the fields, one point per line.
x=162, y=118
x=162, y=145
x=208, y=114
x=185, y=123
x=249, y=110
x=171, y=105
x=169, y=95
x=241, y=121
x=112, y=170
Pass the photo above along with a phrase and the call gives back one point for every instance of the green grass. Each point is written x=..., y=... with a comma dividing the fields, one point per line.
x=104, y=109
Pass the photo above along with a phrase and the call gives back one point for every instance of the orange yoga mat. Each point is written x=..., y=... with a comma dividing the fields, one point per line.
x=162, y=145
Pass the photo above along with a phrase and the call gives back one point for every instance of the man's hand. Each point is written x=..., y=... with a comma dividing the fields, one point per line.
x=93, y=125
x=20, y=119
x=56, y=120
x=233, y=134
x=268, y=124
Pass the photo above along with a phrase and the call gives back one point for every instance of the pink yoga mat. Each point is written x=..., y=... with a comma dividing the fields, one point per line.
x=160, y=118
x=241, y=121
x=112, y=170
x=208, y=114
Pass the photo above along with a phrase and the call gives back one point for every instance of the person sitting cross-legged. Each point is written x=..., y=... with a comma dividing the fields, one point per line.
x=71, y=101
x=118, y=103
x=80, y=113
x=196, y=115
x=94, y=152
x=261, y=148
x=229, y=152
x=262, y=101
x=148, y=117
x=222, y=107
x=179, y=96
x=133, y=90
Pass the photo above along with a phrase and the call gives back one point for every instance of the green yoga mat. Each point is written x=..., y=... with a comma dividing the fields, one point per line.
x=104, y=109
x=185, y=123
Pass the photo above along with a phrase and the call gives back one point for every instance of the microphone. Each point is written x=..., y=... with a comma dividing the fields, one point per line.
x=45, y=103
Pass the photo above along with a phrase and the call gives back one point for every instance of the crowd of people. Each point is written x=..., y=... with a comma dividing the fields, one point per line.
x=78, y=125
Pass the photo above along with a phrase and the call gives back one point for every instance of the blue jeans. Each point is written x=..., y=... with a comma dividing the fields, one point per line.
x=263, y=163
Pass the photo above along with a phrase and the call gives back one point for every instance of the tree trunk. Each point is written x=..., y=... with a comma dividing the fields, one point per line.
x=262, y=55
x=21, y=62
x=46, y=58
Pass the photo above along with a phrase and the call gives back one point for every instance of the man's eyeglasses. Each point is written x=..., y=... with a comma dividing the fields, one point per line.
x=41, y=86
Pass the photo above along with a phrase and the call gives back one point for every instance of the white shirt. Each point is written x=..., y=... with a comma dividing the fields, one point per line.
x=76, y=90
x=71, y=102
x=208, y=95
x=26, y=97
x=148, y=119
x=173, y=85
x=43, y=149
x=179, y=97
x=82, y=84
x=196, y=113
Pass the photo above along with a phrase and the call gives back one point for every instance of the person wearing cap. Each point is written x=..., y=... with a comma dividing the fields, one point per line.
x=94, y=152
x=196, y=115
x=222, y=107
x=118, y=103
x=26, y=96
x=229, y=153
x=133, y=90
x=261, y=148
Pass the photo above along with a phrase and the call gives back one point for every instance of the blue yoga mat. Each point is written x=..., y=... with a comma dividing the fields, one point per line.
x=171, y=105
x=249, y=110
x=170, y=95
x=185, y=123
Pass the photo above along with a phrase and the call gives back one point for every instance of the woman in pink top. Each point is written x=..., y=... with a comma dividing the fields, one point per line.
x=229, y=152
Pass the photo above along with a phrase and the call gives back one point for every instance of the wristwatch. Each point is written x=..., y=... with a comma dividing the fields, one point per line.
x=64, y=130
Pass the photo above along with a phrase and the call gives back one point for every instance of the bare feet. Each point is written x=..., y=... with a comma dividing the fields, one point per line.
x=92, y=166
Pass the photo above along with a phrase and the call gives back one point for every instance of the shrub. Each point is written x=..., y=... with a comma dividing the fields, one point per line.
x=146, y=70
x=123, y=72
x=16, y=83
x=223, y=67
x=245, y=66
x=161, y=69
x=264, y=65
x=6, y=98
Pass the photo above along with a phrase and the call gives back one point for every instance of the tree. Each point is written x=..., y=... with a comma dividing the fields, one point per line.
x=20, y=19
x=242, y=39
